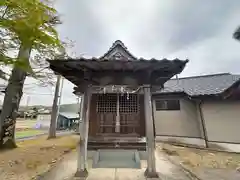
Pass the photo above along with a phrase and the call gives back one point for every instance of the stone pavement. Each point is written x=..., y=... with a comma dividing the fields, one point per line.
x=217, y=174
x=201, y=173
x=66, y=169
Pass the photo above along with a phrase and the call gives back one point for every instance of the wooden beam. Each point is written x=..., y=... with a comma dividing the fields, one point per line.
x=82, y=158
x=151, y=161
x=80, y=163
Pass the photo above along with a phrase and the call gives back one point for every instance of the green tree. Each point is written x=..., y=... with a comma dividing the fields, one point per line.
x=27, y=25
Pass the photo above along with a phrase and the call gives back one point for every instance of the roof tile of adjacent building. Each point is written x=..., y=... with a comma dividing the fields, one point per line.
x=201, y=85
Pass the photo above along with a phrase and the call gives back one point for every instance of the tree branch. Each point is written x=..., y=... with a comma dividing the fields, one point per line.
x=5, y=12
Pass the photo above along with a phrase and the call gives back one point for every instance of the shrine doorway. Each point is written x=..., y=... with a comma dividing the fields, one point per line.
x=118, y=114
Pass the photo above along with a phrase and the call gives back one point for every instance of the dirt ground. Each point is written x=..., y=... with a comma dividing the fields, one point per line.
x=33, y=157
x=195, y=158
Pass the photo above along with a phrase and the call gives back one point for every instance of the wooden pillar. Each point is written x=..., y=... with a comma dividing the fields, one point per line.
x=81, y=132
x=82, y=149
x=81, y=113
x=151, y=162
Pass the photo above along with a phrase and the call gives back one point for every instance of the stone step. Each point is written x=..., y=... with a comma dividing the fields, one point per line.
x=116, y=164
x=141, y=146
x=118, y=143
x=97, y=147
x=116, y=158
x=116, y=154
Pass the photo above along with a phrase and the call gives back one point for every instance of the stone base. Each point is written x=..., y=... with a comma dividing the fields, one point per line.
x=81, y=174
x=116, y=158
x=148, y=174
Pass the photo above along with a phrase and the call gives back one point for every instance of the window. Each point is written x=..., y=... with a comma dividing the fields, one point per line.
x=167, y=105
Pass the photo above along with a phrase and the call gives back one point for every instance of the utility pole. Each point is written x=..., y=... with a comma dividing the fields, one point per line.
x=54, y=114
x=61, y=91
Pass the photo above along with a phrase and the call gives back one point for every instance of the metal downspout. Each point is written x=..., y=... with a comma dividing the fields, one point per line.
x=203, y=123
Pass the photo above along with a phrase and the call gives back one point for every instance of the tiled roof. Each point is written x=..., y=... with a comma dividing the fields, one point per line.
x=117, y=58
x=73, y=69
x=69, y=108
x=70, y=115
x=120, y=60
x=201, y=85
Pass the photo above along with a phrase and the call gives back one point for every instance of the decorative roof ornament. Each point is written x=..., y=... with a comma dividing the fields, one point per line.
x=118, y=51
x=117, y=56
x=119, y=42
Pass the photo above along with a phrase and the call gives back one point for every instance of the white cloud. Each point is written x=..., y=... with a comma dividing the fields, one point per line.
x=200, y=30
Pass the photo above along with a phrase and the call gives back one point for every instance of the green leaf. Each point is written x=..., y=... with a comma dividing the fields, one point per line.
x=30, y=23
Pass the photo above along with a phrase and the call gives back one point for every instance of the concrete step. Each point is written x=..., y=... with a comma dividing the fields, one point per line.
x=116, y=164
x=141, y=146
x=116, y=154
x=97, y=147
x=116, y=158
x=120, y=143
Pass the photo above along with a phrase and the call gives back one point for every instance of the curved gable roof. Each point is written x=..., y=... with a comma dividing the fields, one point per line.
x=119, y=60
x=118, y=50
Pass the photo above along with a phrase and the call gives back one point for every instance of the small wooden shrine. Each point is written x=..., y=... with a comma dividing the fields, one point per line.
x=117, y=103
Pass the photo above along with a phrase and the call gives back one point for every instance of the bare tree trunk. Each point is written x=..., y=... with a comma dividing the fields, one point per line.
x=11, y=102
x=54, y=115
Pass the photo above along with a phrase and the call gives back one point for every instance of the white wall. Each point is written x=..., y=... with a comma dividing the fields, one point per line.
x=44, y=120
x=222, y=121
x=183, y=122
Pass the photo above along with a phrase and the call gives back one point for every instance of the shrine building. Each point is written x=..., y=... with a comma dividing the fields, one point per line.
x=117, y=109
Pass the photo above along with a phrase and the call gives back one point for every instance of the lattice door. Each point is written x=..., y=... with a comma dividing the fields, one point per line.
x=106, y=112
x=129, y=108
x=113, y=109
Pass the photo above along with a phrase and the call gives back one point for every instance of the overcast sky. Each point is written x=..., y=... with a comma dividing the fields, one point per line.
x=200, y=30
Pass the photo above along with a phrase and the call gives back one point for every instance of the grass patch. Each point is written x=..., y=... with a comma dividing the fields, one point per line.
x=195, y=158
x=28, y=132
x=35, y=156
